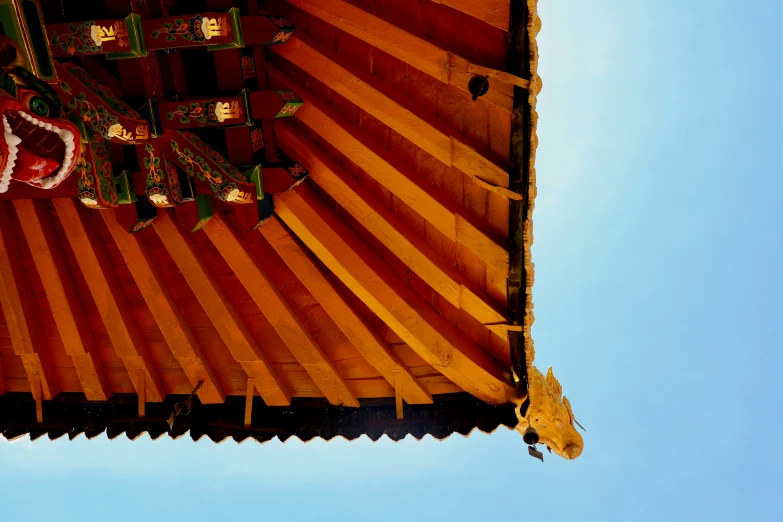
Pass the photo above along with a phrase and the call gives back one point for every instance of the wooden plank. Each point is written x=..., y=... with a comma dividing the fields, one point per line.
x=221, y=312
x=494, y=12
x=167, y=314
x=306, y=54
x=438, y=63
x=445, y=216
x=387, y=227
x=126, y=337
x=249, y=402
x=279, y=313
x=142, y=396
x=367, y=342
x=364, y=273
x=64, y=299
x=21, y=314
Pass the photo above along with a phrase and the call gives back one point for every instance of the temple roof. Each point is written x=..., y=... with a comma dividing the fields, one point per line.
x=393, y=280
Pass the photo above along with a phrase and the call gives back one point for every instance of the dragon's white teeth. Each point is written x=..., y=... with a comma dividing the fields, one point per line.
x=48, y=126
x=13, y=139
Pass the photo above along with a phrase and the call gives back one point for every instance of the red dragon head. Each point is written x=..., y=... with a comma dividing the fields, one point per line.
x=39, y=146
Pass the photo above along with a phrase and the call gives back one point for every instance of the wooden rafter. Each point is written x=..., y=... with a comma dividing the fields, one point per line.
x=221, y=312
x=365, y=274
x=168, y=316
x=64, y=299
x=126, y=337
x=438, y=63
x=447, y=218
x=388, y=228
x=21, y=315
x=279, y=313
x=367, y=342
x=366, y=93
x=493, y=12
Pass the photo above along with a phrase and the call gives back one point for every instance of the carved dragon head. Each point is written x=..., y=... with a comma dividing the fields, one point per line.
x=39, y=146
x=550, y=415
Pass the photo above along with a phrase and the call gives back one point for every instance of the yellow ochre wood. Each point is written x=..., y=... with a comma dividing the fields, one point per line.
x=221, y=312
x=64, y=300
x=372, y=348
x=167, y=314
x=126, y=337
x=279, y=313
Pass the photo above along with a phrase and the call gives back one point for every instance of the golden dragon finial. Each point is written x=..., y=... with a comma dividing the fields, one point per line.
x=549, y=414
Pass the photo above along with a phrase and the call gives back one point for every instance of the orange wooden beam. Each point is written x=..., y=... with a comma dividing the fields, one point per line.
x=493, y=12
x=387, y=227
x=445, y=216
x=367, y=342
x=64, y=299
x=221, y=312
x=170, y=320
x=126, y=337
x=428, y=333
x=448, y=148
x=438, y=63
x=279, y=313
x=21, y=315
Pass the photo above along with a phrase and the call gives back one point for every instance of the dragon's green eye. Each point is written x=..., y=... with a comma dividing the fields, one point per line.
x=39, y=106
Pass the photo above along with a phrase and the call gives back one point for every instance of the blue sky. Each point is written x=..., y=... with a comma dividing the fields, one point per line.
x=658, y=303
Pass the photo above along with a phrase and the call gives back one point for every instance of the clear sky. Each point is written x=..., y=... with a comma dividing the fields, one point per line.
x=658, y=303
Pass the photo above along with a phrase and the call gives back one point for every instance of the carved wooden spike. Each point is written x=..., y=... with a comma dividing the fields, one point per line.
x=365, y=274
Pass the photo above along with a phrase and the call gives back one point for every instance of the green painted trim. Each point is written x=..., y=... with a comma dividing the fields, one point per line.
x=205, y=211
x=138, y=48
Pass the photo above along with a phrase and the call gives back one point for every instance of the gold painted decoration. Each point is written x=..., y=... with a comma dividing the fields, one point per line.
x=549, y=413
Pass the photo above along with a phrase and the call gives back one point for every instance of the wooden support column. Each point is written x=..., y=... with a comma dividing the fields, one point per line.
x=221, y=312
x=279, y=313
x=64, y=299
x=142, y=393
x=438, y=63
x=21, y=315
x=3, y=388
x=126, y=337
x=364, y=273
x=249, y=393
x=389, y=229
x=367, y=342
x=38, y=397
x=398, y=399
x=369, y=94
x=448, y=218
x=168, y=316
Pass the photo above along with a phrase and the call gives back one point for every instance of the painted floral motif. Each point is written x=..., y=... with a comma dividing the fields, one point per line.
x=203, y=113
x=88, y=37
x=197, y=29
